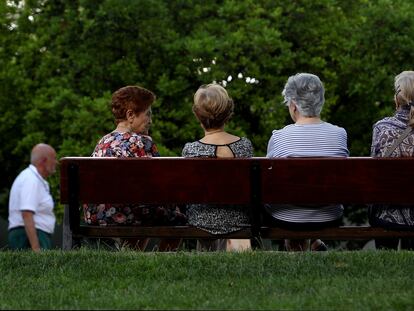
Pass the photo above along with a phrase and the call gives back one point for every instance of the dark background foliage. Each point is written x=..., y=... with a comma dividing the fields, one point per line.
x=61, y=60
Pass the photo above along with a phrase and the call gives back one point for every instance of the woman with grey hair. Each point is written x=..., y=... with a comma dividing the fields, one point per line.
x=309, y=136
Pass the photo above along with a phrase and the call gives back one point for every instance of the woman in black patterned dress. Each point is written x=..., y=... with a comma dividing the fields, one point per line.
x=213, y=108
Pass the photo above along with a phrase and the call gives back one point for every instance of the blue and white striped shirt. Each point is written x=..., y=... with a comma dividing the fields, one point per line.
x=307, y=140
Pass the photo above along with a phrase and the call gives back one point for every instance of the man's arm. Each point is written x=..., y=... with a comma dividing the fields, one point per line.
x=30, y=228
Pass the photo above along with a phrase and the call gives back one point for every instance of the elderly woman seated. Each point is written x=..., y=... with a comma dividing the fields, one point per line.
x=394, y=137
x=309, y=136
x=131, y=108
x=213, y=108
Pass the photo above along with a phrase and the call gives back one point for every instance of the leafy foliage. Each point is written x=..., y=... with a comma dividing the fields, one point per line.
x=61, y=60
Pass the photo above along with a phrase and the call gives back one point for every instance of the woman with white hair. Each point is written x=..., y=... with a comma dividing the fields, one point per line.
x=394, y=137
x=309, y=136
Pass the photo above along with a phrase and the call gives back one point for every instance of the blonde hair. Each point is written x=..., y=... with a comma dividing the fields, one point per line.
x=404, y=92
x=212, y=106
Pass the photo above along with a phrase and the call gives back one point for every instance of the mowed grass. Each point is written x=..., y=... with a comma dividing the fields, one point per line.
x=87, y=279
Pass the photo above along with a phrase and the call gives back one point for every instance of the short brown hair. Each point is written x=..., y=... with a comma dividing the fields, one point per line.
x=136, y=98
x=212, y=106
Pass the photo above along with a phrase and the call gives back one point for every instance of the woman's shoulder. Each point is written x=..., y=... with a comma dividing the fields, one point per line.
x=389, y=122
x=299, y=132
x=242, y=147
x=334, y=127
x=104, y=147
x=119, y=144
x=197, y=149
x=108, y=137
x=242, y=141
x=119, y=136
x=287, y=128
x=192, y=145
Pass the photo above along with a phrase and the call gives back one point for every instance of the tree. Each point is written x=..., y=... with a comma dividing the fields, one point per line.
x=61, y=60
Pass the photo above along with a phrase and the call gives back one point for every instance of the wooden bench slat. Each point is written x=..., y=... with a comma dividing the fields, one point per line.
x=337, y=180
x=348, y=232
x=157, y=232
x=112, y=180
x=341, y=233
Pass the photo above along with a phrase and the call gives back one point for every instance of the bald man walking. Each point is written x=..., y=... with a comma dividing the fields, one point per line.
x=31, y=217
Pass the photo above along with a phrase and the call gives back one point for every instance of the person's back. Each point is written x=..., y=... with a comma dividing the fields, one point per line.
x=213, y=108
x=388, y=141
x=19, y=199
x=218, y=219
x=308, y=140
x=226, y=147
x=131, y=108
x=31, y=217
x=309, y=136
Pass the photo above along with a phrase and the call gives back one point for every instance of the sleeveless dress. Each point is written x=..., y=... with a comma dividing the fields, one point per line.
x=218, y=219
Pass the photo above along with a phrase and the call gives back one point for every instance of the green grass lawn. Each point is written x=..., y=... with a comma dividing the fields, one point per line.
x=85, y=279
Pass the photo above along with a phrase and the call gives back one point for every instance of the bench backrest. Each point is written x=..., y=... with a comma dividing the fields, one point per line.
x=337, y=180
x=156, y=180
x=237, y=181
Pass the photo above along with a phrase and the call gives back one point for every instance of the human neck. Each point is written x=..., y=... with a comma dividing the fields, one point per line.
x=308, y=120
x=123, y=127
x=213, y=131
x=41, y=170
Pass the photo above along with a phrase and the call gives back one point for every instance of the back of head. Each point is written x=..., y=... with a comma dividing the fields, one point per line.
x=308, y=93
x=40, y=152
x=212, y=106
x=404, y=92
x=135, y=98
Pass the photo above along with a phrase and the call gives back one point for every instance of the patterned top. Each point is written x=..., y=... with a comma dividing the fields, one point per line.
x=241, y=148
x=385, y=132
x=218, y=219
x=129, y=145
x=125, y=145
x=308, y=140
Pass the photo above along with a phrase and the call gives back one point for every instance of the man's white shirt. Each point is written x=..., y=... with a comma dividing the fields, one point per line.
x=30, y=192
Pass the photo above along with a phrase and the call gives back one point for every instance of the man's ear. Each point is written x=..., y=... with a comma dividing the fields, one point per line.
x=43, y=160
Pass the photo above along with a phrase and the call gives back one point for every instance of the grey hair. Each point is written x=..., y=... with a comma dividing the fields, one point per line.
x=308, y=93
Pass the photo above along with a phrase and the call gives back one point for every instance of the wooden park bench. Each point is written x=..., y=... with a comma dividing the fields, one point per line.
x=253, y=181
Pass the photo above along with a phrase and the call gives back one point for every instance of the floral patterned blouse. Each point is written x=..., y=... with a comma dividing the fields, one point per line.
x=125, y=145
x=130, y=145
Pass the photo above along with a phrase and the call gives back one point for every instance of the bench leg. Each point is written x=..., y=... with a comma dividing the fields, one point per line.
x=68, y=242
